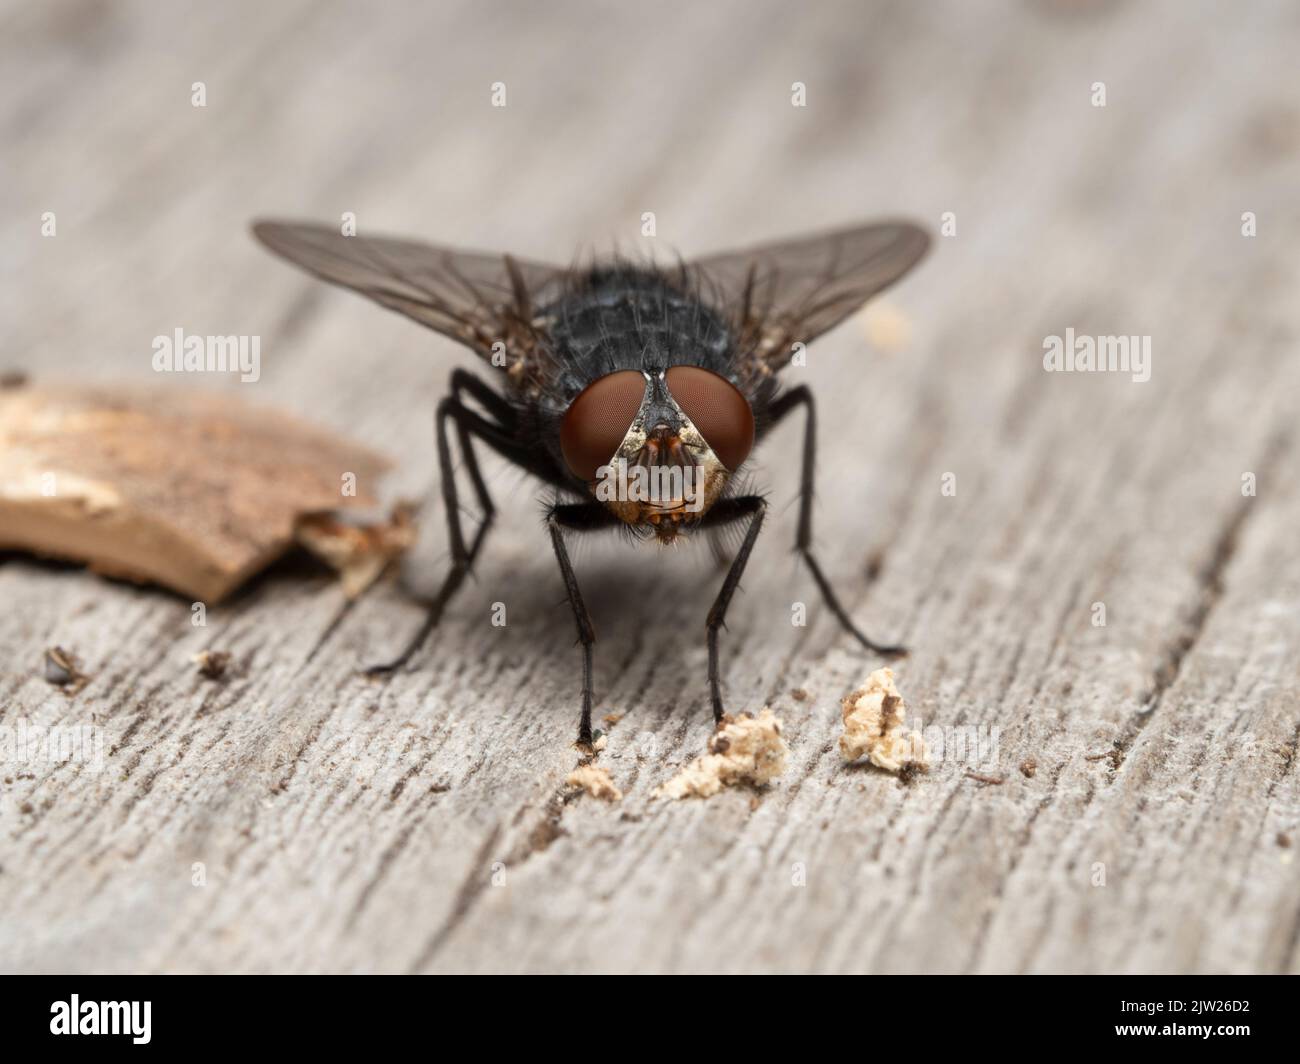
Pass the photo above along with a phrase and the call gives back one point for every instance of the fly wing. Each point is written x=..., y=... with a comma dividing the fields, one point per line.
x=475, y=298
x=792, y=291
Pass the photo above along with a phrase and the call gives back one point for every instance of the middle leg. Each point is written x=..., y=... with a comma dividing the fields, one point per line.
x=802, y=396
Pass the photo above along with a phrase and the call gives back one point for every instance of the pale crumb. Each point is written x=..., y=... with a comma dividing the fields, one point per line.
x=744, y=749
x=873, y=726
x=595, y=781
x=612, y=718
x=886, y=327
x=1028, y=767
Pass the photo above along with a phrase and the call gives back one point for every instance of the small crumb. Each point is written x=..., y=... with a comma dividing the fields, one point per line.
x=979, y=777
x=1028, y=767
x=25, y=808
x=1284, y=840
x=612, y=718
x=596, y=781
x=212, y=663
x=743, y=749
x=873, y=725
x=63, y=670
x=799, y=694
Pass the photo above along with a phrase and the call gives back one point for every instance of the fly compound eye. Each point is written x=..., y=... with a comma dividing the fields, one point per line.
x=596, y=422
x=717, y=409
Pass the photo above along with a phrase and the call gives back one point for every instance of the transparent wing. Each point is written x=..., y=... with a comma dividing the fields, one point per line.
x=472, y=297
x=792, y=291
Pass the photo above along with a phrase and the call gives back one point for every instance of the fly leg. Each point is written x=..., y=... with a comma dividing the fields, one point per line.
x=578, y=517
x=501, y=439
x=802, y=396
x=724, y=512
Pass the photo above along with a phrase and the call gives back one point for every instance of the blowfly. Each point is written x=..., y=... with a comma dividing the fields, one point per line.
x=635, y=391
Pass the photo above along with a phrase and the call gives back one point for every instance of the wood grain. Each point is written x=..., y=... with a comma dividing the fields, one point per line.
x=421, y=824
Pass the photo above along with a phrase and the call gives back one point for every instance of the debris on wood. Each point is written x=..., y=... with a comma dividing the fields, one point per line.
x=1028, y=767
x=195, y=491
x=359, y=552
x=212, y=663
x=596, y=781
x=63, y=670
x=612, y=718
x=799, y=694
x=873, y=726
x=743, y=749
x=979, y=777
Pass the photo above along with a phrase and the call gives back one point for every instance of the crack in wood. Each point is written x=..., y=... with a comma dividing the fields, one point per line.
x=1209, y=591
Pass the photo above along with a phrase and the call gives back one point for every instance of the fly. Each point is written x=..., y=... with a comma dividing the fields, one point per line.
x=635, y=391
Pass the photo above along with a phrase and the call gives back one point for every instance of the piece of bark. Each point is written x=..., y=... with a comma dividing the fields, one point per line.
x=195, y=491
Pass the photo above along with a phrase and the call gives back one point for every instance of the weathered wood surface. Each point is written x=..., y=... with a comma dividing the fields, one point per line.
x=420, y=824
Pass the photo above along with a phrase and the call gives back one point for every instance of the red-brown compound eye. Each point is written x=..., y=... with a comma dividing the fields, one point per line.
x=596, y=421
x=717, y=409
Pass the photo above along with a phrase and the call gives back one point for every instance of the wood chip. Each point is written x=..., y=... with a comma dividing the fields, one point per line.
x=873, y=718
x=743, y=749
x=195, y=491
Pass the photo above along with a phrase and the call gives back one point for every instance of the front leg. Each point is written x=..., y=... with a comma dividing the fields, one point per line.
x=724, y=512
x=578, y=517
x=802, y=396
x=469, y=425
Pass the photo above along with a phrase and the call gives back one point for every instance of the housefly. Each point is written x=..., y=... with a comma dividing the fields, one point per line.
x=634, y=390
